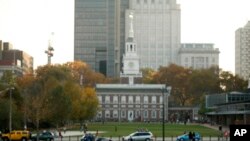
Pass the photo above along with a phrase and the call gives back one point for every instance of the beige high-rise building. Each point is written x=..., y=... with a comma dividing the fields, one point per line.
x=198, y=55
x=242, y=51
x=157, y=31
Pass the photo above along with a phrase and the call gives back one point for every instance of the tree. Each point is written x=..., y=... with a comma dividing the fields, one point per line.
x=56, y=97
x=7, y=88
x=88, y=105
x=177, y=77
x=147, y=75
x=203, y=81
x=84, y=75
x=230, y=82
x=188, y=85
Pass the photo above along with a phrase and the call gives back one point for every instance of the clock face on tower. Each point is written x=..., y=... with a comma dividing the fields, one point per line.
x=131, y=64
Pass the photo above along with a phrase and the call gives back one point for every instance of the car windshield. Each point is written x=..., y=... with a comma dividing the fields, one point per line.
x=132, y=134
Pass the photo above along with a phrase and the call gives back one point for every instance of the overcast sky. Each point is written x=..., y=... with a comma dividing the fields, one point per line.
x=27, y=24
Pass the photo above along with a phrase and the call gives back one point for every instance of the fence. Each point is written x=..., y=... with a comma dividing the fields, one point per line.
x=78, y=138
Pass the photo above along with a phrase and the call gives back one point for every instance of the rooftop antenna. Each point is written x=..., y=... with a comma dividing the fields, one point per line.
x=50, y=49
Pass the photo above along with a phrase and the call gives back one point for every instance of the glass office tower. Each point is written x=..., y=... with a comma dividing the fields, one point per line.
x=99, y=34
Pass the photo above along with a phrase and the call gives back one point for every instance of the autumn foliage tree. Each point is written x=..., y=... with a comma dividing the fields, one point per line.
x=177, y=77
x=230, y=82
x=7, y=88
x=55, y=95
x=190, y=85
x=84, y=75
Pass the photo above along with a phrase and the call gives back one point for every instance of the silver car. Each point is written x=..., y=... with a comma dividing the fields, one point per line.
x=139, y=136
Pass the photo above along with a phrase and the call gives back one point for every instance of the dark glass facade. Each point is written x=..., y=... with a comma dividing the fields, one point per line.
x=231, y=97
x=99, y=34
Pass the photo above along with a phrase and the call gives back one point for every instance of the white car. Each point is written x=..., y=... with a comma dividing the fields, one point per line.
x=139, y=136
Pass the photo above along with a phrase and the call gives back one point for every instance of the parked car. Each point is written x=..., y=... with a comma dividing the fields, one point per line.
x=45, y=136
x=88, y=137
x=103, y=139
x=139, y=136
x=16, y=135
x=185, y=137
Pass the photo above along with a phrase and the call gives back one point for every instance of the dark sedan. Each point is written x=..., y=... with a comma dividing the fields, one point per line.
x=44, y=136
x=103, y=139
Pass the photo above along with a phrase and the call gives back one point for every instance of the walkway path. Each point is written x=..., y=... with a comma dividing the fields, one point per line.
x=216, y=127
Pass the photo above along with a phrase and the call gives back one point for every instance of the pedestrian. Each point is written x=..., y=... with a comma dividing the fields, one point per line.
x=96, y=134
x=64, y=129
x=60, y=135
x=193, y=136
x=190, y=135
x=81, y=128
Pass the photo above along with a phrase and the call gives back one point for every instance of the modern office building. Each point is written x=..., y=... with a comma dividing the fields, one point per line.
x=14, y=60
x=100, y=34
x=157, y=31
x=198, y=55
x=242, y=51
x=229, y=108
x=101, y=31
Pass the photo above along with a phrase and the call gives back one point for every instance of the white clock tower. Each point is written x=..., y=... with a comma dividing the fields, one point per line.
x=130, y=58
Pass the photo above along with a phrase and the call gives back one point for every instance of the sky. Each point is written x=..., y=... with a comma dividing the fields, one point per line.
x=29, y=24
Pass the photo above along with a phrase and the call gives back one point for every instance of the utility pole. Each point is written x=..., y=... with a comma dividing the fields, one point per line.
x=10, y=118
x=12, y=88
x=168, y=91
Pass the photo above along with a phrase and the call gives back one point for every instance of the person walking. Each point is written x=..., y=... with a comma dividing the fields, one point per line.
x=193, y=136
x=190, y=135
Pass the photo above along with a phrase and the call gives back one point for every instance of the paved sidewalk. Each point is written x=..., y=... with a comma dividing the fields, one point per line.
x=216, y=127
x=78, y=133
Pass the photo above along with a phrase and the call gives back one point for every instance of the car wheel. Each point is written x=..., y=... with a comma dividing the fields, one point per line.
x=24, y=139
x=147, y=140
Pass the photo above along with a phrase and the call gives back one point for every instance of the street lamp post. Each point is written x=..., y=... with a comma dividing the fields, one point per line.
x=10, y=114
x=164, y=89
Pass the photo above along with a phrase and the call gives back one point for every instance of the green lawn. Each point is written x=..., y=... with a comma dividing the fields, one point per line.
x=122, y=129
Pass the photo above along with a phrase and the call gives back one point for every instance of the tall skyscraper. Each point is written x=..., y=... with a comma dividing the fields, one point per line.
x=157, y=31
x=99, y=34
x=242, y=51
x=101, y=31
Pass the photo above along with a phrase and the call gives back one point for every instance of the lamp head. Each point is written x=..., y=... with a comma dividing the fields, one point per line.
x=169, y=88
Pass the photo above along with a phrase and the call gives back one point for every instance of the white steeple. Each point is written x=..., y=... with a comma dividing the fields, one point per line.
x=130, y=58
x=131, y=31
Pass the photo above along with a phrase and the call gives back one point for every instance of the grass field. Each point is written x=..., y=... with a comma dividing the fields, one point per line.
x=123, y=129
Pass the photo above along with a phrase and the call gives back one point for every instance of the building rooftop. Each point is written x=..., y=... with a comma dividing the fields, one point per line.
x=128, y=86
